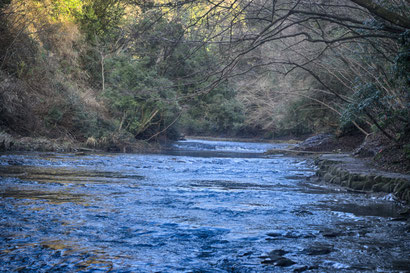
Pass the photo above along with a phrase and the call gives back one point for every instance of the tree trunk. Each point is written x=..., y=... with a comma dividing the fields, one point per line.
x=102, y=71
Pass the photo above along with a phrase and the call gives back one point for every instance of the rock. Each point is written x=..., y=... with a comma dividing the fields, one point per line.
x=402, y=265
x=292, y=235
x=284, y=262
x=274, y=234
x=317, y=142
x=276, y=258
x=331, y=234
x=302, y=212
x=305, y=268
x=356, y=174
x=366, y=150
x=398, y=219
x=6, y=141
x=277, y=252
x=248, y=253
x=279, y=261
x=317, y=250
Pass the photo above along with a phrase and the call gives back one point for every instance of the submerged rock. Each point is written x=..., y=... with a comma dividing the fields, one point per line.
x=305, y=268
x=279, y=261
x=274, y=234
x=331, y=233
x=276, y=258
x=277, y=252
x=317, y=250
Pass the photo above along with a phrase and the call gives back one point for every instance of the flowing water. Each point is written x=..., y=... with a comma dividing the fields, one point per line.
x=200, y=206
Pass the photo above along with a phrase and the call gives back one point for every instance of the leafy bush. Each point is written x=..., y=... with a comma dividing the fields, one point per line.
x=386, y=111
x=54, y=115
x=143, y=101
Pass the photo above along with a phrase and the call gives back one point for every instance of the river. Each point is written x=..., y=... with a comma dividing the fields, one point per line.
x=199, y=206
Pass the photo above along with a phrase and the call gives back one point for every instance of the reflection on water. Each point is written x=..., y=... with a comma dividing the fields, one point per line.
x=62, y=175
x=48, y=196
x=201, y=206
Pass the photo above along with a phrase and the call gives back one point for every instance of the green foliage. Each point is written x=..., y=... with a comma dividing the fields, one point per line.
x=387, y=111
x=215, y=114
x=299, y=119
x=65, y=9
x=402, y=64
x=226, y=114
x=91, y=62
x=161, y=54
x=54, y=115
x=90, y=124
x=4, y=3
x=366, y=98
x=406, y=149
x=144, y=81
x=142, y=101
x=101, y=18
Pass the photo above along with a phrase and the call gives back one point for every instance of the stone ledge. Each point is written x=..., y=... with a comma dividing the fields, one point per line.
x=356, y=174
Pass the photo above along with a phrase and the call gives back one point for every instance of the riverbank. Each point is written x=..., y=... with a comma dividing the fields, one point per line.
x=358, y=174
x=10, y=143
x=112, y=143
x=360, y=165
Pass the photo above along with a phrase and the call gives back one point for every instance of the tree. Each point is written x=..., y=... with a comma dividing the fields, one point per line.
x=310, y=34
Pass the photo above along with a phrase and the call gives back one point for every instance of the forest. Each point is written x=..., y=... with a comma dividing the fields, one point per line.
x=105, y=72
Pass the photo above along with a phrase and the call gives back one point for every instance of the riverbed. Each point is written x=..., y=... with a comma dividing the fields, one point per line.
x=198, y=206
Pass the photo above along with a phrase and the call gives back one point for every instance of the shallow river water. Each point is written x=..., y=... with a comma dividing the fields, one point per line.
x=200, y=206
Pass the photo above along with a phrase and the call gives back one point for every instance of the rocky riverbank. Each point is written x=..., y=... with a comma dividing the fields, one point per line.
x=356, y=164
x=357, y=174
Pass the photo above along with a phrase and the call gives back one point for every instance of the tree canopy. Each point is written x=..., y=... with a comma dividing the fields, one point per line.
x=158, y=68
